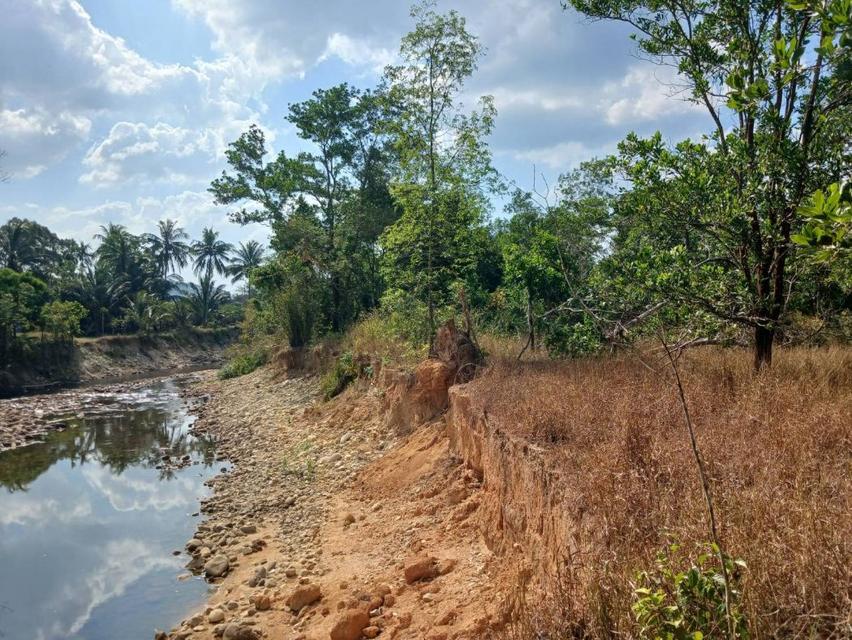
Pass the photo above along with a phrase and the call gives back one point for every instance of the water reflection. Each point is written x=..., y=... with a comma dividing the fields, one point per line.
x=88, y=521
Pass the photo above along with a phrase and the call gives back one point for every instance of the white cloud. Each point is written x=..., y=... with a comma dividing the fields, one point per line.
x=35, y=138
x=645, y=93
x=137, y=151
x=562, y=156
x=357, y=53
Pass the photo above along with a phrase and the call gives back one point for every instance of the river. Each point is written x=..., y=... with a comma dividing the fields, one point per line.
x=89, y=523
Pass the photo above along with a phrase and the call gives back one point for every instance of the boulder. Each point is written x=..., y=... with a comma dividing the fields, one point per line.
x=302, y=596
x=350, y=624
x=217, y=566
x=420, y=567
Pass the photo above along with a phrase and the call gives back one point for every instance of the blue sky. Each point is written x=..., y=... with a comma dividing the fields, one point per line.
x=119, y=110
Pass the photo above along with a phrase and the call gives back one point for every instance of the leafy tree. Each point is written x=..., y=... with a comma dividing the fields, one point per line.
x=444, y=160
x=774, y=79
x=62, y=318
x=21, y=297
x=247, y=256
x=211, y=254
x=168, y=247
x=28, y=246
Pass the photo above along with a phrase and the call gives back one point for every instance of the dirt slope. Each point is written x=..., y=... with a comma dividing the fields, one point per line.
x=329, y=506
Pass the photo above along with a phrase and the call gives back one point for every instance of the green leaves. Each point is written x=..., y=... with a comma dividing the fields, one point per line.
x=687, y=604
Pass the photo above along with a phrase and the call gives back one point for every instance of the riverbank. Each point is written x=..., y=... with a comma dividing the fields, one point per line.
x=330, y=518
x=45, y=365
x=364, y=517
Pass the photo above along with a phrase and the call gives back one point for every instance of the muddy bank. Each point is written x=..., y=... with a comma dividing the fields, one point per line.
x=44, y=366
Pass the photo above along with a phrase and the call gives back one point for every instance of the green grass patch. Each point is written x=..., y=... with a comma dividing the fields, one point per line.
x=242, y=364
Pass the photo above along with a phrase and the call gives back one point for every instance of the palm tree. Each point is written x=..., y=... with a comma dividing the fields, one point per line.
x=206, y=296
x=247, y=256
x=168, y=247
x=100, y=294
x=211, y=254
x=118, y=250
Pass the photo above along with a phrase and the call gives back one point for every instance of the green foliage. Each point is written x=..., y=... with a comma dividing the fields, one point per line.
x=243, y=363
x=62, y=319
x=688, y=604
x=345, y=371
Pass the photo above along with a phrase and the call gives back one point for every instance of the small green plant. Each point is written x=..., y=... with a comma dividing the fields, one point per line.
x=688, y=605
x=344, y=373
x=242, y=364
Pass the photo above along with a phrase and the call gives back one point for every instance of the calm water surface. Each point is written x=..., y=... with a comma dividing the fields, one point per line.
x=88, y=524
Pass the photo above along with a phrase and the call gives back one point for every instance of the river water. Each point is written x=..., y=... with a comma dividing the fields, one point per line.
x=88, y=523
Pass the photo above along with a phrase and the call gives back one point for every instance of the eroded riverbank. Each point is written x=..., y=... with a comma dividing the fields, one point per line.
x=333, y=524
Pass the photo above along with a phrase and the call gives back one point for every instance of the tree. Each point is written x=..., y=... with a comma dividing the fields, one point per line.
x=206, y=297
x=247, y=256
x=168, y=247
x=26, y=245
x=774, y=79
x=443, y=157
x=21, y=297
x=211, y=254
x=62, y=318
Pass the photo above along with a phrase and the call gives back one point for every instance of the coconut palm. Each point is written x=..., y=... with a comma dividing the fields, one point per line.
x=168, y=247
x=247, y=256
x=119, y=251
x=211, y=254
x=206, y=297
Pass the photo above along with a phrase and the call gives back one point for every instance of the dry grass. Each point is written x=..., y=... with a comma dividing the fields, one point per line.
x=779, y=452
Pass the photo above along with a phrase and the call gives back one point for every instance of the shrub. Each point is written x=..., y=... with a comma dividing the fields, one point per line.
x=345, y=371
x=688, y=604
x=242, y=364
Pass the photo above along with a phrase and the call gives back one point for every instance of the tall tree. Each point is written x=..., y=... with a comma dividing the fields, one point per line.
x=774, y=78
x=443, y=157
x=211, y=254
x=168, y=246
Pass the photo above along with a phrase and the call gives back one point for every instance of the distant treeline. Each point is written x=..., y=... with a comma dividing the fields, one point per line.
x=126, y=284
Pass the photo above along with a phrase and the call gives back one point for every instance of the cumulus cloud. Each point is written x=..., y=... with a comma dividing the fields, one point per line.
x=137, y=151
x=36, y=138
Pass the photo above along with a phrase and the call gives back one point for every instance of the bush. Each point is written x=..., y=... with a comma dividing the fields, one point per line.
x=242, y=364
x=345, y=371
x=689, y=604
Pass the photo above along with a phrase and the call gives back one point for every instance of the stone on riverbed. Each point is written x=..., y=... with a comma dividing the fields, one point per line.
x=217, y=566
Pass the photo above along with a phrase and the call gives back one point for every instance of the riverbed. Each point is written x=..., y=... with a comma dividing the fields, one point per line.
x=92, y=517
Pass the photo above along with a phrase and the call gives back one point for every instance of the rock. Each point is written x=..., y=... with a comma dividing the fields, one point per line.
x=216, y=616
x=193, y=544
x=236, y=631
x=249, y=528
x=348, y=519
x=262, y=603
x=370, y=632
x=420, y=568
x=350, y=625
x=302, y=596
x=217, y=566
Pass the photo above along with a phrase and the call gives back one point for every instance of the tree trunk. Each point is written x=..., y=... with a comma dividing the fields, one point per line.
x=763, y=339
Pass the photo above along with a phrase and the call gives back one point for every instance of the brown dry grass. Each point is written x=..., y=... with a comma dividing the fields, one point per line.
x=778, y=447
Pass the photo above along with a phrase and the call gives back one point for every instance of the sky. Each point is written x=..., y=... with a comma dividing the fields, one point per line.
x=120, y=110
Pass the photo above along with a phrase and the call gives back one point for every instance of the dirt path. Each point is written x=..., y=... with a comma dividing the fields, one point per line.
x=332, y=526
